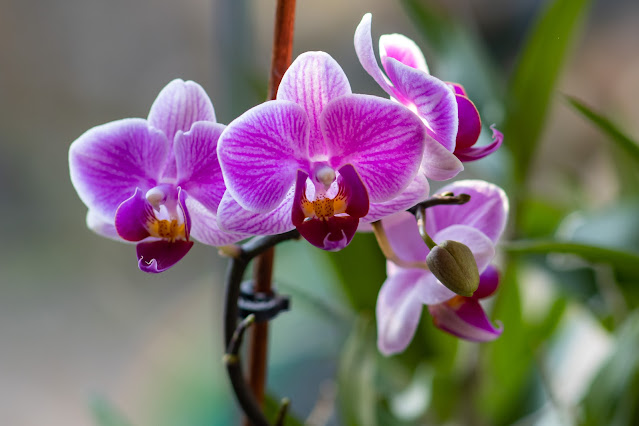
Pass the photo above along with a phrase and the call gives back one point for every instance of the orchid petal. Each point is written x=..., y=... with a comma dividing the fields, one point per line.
x=261, y=151
x=415, y=193
x=488, y=283
x=198, y=170
x=133, y=216
x=431, y=291
x=381, y=139
x=313, y=80
x=469, y=123
x=403, y=236
x=102, y=227
x=366, y=54
x=403, y=49
x=158, y=256
x=464, y=317
x=356, y=193
x=486, y=211
x=457, y=88
x=439, y=163
x=204, y=227
x=477, y=152
x=178, y=106
x=432, y=99
x=398, y=311
x=109, y=161
x=232, y=217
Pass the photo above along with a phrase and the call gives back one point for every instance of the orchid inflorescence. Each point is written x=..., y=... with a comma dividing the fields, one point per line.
x=321, y=160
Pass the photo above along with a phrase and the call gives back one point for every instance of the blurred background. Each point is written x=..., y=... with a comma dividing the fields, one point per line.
x=86, y=338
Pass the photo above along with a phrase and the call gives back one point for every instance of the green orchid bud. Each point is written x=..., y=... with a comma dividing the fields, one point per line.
x=454, y=266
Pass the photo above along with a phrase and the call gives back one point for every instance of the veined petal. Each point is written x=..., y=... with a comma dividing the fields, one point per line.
x=366, y=54
x=261, y=151
x=486, y=211
x=178, y=106
x=102, y=227
x=464, y=317
x=198, y=170
x=469, y=123
x=313, y=80
x=380, y=138
x=133, y=216
x=204, y=227
x=109, y=161
x=488, y=283
x=416, y=192
x=158, y=256
x=432, y=99
x=400, y=47
x=479, y=244
x=398, y=311
x=477, y=152
x=232, y=217
x=439, y=163
x=403, y=235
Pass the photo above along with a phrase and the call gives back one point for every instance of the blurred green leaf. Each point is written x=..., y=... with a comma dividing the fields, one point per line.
x=362, y=269
x=356, y=376
x=540, y=218
x=535, y=76
x=272, y=407
x=105, y=414
x=614, y=392
x=625, y=263
x=629, y=146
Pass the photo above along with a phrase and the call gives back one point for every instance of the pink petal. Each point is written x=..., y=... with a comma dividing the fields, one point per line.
x=158, y=256
x=486, y=211
x=477, y=152
x=261, y=151
x=415, y=193
x=109, y=161
x=204, y=227
x=313, y=80
x=403, y=49
x=432, y=99
x=232, y=217
x=439, y=163
x=366, y=54
x=398, y=311
x=403, y=235
x=380, y=138
x=464, y=317
x=488, y=283
x=198, y=170
x=133, y=217
x=469, y=123
x=102, y=227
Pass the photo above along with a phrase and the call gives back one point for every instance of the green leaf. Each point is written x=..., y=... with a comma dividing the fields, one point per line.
x=535, y=77
x=613, y=394
x=629, y=146
x=105, y=414
x=356, y=376
x=272, y=407
x=625, y=263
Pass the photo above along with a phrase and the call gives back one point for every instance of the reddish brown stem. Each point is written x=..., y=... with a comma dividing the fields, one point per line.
x=263, y=272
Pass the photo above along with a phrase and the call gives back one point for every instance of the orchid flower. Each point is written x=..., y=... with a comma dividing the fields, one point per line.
x=319, y=158
x=157, y=181
x=450, y=116
x=478, y=224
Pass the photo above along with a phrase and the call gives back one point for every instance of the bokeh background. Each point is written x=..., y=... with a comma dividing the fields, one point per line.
x=86, y=338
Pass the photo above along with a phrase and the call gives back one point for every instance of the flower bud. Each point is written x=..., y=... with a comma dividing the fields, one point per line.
x=454, y=266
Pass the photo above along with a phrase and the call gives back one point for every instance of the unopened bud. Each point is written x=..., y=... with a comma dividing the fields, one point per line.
x=453, y=264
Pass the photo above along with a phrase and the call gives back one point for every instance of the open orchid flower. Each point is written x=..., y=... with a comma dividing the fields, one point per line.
x=450, y=116
x=478, y=224
x=318, y=157
x=156, y=181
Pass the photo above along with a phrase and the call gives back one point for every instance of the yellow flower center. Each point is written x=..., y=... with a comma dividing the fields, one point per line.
x=167, y=229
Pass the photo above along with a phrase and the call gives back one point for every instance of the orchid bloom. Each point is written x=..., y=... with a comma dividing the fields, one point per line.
x=478, y=224
x=450, y=116
x=319, y=158
x=157, y=181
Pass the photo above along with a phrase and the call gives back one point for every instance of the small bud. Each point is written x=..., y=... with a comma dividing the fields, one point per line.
x=454, y=266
